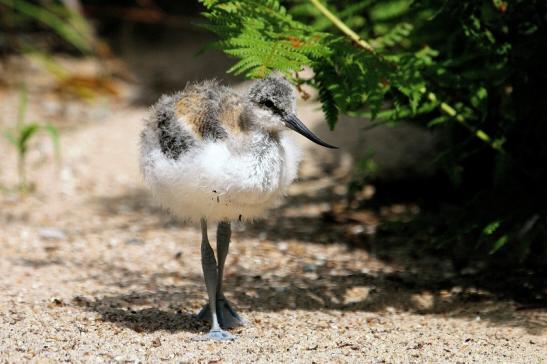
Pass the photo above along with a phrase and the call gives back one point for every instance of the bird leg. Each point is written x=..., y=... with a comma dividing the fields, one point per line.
x=226, y=315
x=210, y=274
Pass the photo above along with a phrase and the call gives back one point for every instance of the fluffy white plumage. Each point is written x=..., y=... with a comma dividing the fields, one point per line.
x=215, y=181
x=207, y=152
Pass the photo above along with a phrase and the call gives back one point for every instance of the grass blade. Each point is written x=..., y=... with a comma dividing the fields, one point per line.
x=63, y=27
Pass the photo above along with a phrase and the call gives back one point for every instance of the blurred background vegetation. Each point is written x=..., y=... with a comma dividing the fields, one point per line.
x=473, y=72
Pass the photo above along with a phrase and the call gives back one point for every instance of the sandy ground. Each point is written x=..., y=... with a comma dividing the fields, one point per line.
x=92, y=271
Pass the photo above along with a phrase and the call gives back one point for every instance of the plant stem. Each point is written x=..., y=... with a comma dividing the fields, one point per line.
x=450, y=111
x=22, y=172
x=342, y=26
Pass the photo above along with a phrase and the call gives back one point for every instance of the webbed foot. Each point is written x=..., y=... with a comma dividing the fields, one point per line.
x=227, y=317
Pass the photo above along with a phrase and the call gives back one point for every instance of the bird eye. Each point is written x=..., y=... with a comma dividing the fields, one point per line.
x=268, y=103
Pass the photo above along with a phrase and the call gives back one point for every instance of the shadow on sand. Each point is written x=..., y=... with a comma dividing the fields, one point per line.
x=149, y=303
x=423, y=276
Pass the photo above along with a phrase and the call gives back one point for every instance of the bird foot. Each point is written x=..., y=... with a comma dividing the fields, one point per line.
x=216, y=335
x=227, y=317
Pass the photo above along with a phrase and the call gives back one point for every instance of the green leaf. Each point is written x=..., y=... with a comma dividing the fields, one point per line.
x=500, y=243
x=479, y=98
x=26, y=132
x=394, y=37
x=438, y=120
x=491, y=228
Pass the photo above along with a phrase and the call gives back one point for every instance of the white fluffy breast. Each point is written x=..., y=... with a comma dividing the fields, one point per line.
x=213, y=181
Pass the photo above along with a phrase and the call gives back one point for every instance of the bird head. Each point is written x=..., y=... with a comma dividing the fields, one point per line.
x=274, y=102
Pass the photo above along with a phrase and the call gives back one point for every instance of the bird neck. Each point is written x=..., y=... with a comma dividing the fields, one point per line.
x=255, y=141
x=257, y=120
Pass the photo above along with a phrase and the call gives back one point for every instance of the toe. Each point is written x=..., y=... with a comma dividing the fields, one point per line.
x=215, y=335
x=230, y=317
x=220, y=335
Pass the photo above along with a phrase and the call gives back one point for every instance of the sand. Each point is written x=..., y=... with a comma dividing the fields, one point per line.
x=92, y=271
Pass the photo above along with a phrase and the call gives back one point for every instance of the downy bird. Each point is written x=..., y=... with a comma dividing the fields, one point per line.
x=212, y=155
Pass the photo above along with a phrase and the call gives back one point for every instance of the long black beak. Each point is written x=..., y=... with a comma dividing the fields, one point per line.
x=295, y=124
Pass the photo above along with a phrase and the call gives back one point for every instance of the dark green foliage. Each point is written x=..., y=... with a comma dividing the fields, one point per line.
x=265, y=36
x=473, y=68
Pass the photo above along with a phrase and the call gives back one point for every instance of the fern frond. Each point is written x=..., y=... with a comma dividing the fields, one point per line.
x=325, y=81
x=395, y=36
x=265, y=37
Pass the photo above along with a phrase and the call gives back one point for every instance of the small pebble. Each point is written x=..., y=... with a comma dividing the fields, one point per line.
x=156, y=342
x=134, y=241
x=52, y=234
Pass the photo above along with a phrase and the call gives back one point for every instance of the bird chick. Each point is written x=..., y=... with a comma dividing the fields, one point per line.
x=210, y=154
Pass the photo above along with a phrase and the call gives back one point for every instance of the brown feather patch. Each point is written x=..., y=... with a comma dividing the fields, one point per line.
x=200, y=114
x=231, y=114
